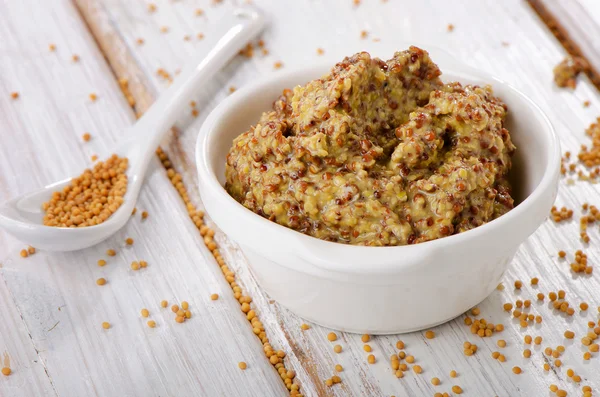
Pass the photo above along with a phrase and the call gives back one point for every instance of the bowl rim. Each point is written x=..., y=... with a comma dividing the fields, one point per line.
x=207, y=177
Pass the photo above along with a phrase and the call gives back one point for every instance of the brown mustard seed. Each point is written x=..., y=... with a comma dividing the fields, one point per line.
x=101, y=281
x=331, y=336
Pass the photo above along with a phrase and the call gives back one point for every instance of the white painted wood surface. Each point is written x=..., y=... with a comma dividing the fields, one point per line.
x=200, y=357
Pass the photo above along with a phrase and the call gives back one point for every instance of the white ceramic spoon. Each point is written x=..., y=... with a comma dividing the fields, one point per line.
x=23, y=216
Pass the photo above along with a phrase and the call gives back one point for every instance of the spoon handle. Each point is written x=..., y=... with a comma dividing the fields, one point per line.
x=233, y=32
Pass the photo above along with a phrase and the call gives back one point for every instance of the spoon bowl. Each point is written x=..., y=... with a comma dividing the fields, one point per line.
x=23, y=216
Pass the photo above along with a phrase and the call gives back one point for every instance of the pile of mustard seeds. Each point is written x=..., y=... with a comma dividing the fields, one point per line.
x=91, y=198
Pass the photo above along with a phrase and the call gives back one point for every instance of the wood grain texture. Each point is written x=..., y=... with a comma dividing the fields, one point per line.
x=506, y=39
x=52, y=309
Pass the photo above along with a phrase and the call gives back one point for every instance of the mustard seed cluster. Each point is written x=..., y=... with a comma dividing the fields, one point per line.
x=91, y=198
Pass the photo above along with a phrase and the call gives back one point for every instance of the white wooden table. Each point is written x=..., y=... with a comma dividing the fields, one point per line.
x=51, y=309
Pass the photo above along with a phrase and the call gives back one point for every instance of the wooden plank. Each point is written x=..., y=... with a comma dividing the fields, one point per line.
x=53, y=305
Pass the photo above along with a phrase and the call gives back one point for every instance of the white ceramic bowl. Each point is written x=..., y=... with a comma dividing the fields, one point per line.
x=380, y=290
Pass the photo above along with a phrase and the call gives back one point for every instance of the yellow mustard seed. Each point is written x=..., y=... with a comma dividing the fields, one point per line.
x=111, y=252
x=526, y=353
x=430, y=334
x=185, y=305
x=105, y=325
x=129, y=241
x=135, y=265
x=101, y=281
x=144, y=214
x=435, y=381
x=143, y=264
x=518, y=284
x=535, y=281
x=457, y=389
x=410, y=359
x=151, y=323
x=24, y=253
x=339, y=368
x=569, y=334
x=501, y=343
x=371, y=359
x=337, y=348
x=453, y=374
x=304, y=327
x=175, y=308
x=188, y=314
x=101, y=262
x=399, y=345
x=30, y=250
x=516, y=370
x=145, y=313
x=331, y=336
x=164, y=303
x=214, y=297
x=417, y=369
x=367, y=348
x=365, y=338
x=242, y=365
x=179, y=319
x=6, y=371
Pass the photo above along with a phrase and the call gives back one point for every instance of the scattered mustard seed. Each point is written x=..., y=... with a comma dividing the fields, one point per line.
x=337, y=348
x=164, y=303
x=430, y=334
x=185, y=305
x=371, y=359
x=435, y=381
x=516, y=370
x=339, y=368
x=365, y=338
x=453, y=374
x=214, y=297
x=457, y=389
x=6, y=371
x=101, y=262
x=242, y=365
x=105, y=325
x=24, y=253
x=135, y=265
x=101, y=281
x=129, y=241
x=332, y=336
x=399, y=345
x=145, y=313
